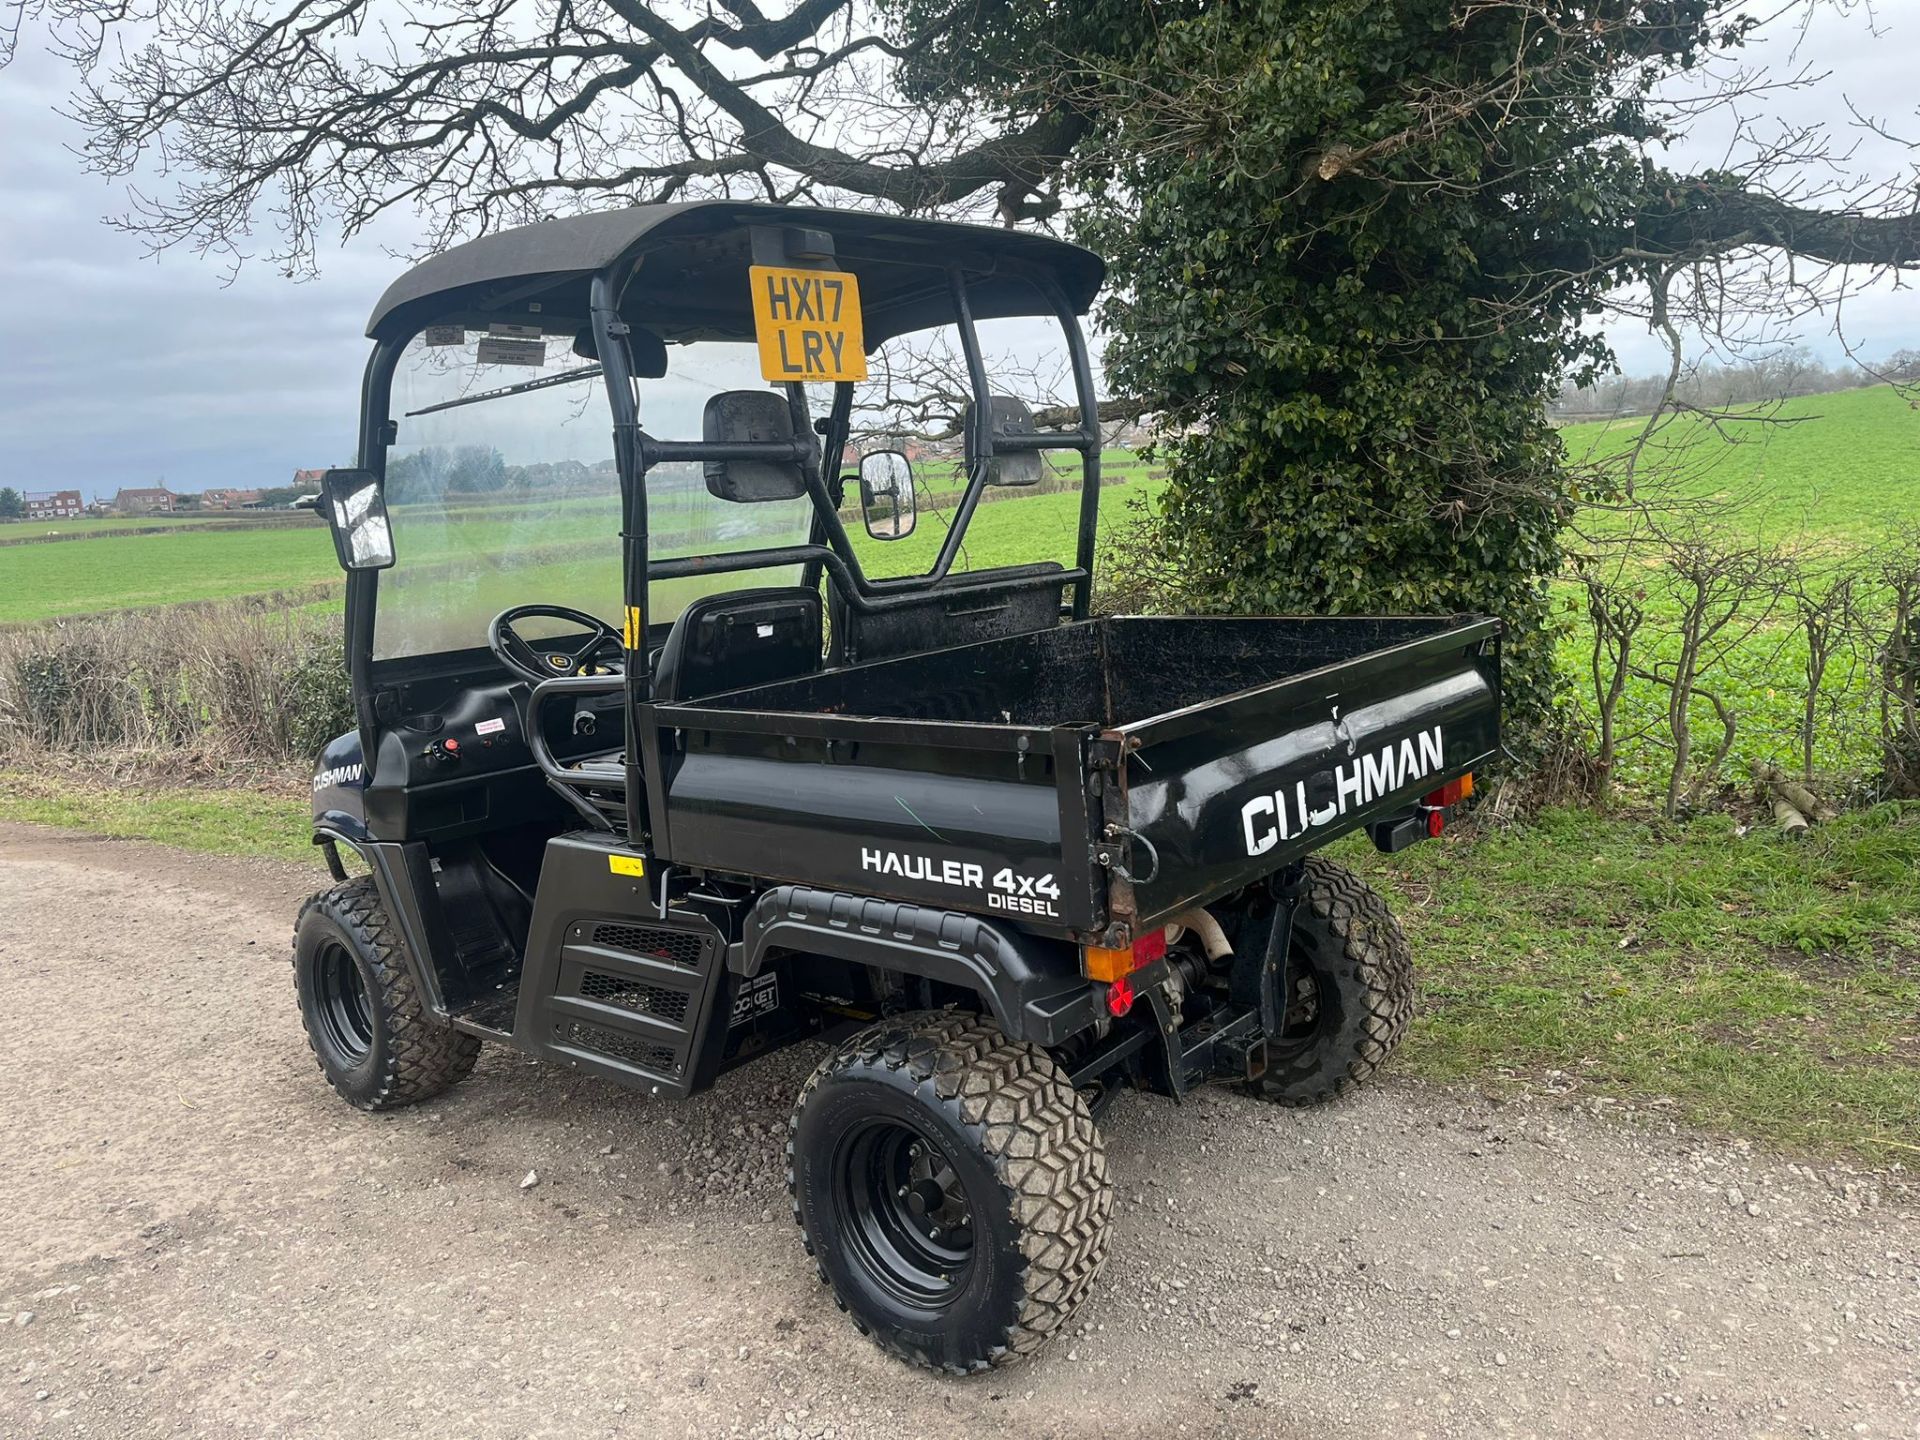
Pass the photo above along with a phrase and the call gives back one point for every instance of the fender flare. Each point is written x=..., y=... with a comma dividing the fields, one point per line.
x=330, y=837
x=1032, y=986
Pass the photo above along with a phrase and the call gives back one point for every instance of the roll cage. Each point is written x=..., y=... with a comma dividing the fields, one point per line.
x=681, y=271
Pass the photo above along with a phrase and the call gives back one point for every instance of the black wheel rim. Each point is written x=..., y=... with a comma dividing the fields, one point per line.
x=342, y=1005
x=1308, y=1007
x=905, y=1212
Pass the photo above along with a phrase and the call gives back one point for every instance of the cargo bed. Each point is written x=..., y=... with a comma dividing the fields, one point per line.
x=1082, y=781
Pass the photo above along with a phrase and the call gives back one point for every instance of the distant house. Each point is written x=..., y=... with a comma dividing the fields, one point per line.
x=158, y=501
x=308, y=479
x=225, y=499
x=53, y=504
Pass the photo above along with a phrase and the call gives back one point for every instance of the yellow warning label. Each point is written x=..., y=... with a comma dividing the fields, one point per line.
x=627, y=864
x=808, y=324
x=634, y=639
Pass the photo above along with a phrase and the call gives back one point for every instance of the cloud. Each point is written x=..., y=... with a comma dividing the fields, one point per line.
x=118, y=368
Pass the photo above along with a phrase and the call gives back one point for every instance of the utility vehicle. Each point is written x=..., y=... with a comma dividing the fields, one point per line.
x=655, y=771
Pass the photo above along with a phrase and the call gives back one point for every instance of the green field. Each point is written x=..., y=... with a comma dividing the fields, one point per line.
x=1837, y=471
x=1818, y=480
x=88, y=525
x=89, y=577
x=577, y=549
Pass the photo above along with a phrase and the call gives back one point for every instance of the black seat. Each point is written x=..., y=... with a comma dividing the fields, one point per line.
x=748, y=637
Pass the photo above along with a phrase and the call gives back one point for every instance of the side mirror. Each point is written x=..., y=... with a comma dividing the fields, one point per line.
x=357, y=513
x=750, y=417
x=887, y=502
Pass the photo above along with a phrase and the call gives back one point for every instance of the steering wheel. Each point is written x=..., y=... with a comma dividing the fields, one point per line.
x=568, y=655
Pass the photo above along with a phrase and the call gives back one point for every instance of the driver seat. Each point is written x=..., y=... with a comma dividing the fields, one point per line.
x=719, y=642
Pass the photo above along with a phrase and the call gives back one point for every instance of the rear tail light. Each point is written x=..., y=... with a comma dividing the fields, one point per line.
x=1097, y=962
x=1440, y=801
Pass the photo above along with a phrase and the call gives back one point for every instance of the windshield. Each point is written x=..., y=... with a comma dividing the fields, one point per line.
x=513, y=498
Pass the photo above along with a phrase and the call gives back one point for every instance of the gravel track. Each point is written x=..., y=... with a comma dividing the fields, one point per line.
x=202, y=1240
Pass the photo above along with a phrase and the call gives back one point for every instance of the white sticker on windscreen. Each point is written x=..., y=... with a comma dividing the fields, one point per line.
x=495, y=351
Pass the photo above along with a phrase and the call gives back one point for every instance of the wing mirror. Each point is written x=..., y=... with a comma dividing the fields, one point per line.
x=887, y=503
x=357, y=512
x=750, y=417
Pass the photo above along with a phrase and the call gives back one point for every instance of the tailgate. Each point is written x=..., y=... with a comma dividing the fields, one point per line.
x=1227, y=791
x=956, y=816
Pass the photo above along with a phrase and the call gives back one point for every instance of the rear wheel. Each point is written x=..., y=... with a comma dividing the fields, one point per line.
x=374, y=1041
x=1349, y=993
x=951, y=1186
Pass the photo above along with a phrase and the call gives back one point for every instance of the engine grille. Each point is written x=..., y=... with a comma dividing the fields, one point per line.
x=682, y=947
x=635, y=995
x=621, y=1047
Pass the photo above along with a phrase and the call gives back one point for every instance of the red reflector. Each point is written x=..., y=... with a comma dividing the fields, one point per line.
x=1436, y=821
x=1150, y=946
x=1120, y=997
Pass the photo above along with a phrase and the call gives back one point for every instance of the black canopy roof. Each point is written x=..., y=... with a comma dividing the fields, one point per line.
x=690, y=276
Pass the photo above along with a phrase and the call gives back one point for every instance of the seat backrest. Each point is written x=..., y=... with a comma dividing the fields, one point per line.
x=747, y=637
x=978, y=610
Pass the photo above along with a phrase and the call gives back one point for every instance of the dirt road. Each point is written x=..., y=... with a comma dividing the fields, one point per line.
x=200, y=1240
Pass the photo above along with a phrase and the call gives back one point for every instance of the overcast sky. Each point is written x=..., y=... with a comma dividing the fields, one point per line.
x=121, y=369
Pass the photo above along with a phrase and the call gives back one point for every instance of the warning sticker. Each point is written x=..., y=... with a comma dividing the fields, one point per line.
x=514, y=332
x=445, y=335
x=808, y=324
x=627, y=864
x=496, y=351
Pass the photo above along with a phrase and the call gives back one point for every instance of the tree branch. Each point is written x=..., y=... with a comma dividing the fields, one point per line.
x=1704, y=216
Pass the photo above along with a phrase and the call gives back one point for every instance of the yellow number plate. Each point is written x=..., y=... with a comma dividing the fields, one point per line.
x=808, y=324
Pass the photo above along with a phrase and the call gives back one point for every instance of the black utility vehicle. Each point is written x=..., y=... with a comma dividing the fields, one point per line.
x=654, y=775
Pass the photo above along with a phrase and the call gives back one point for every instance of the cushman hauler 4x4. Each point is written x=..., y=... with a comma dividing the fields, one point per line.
x=656, y=773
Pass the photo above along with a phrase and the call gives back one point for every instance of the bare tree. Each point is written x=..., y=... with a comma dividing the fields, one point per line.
x=1723, y=590
x=1822, y=598
x=1616, y=595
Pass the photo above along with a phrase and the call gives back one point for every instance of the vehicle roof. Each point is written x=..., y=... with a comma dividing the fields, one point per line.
x=691, y=281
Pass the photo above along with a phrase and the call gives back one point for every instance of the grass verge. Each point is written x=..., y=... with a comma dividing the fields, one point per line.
x=214, y=820
x=1763, y=987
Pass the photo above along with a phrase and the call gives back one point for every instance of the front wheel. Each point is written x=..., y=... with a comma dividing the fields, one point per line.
x=374, y=1040
x=1349, y=981
x=951, y=1186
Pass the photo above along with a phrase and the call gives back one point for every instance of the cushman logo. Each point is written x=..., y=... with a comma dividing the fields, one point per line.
x=1268, y=819
x=338, y=775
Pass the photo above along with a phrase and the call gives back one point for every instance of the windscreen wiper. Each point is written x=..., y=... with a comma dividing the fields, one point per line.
x=585, y=372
